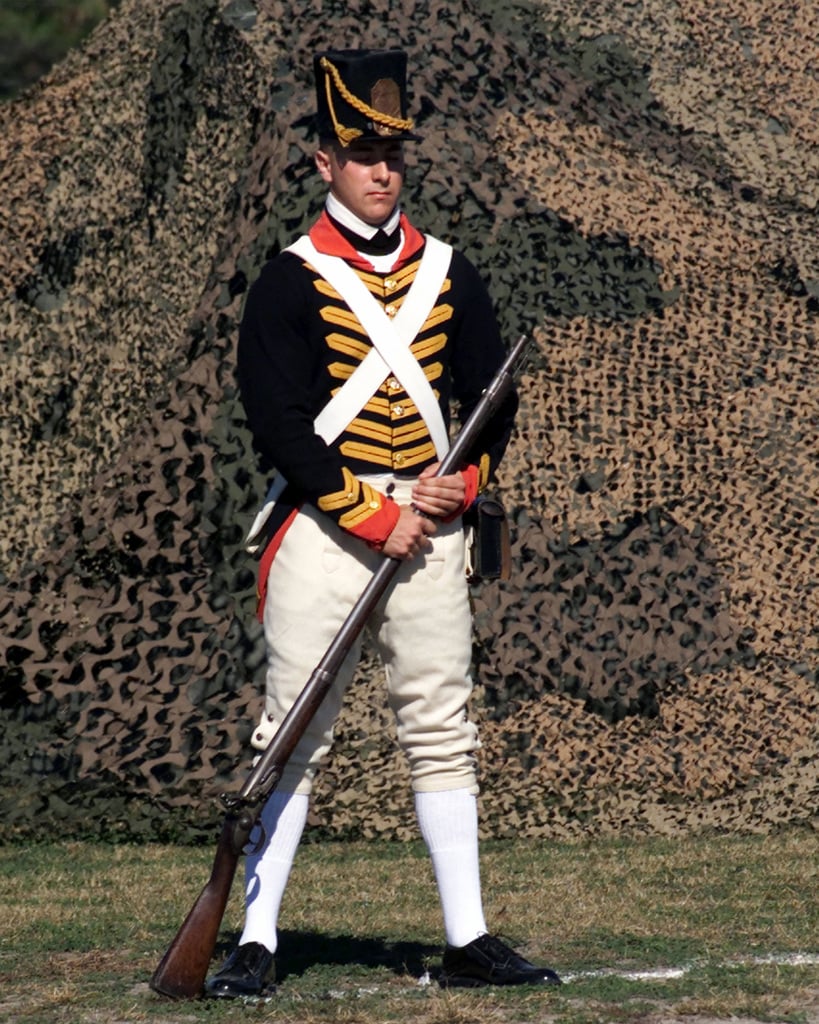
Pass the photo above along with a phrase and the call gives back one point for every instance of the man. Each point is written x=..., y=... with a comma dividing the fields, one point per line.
x=353, y=419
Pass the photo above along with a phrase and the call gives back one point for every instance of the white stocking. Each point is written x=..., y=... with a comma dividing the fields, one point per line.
x=283, y=818
x=449, y=824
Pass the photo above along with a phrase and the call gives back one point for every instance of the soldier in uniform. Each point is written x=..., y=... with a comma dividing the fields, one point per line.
x=353, y=344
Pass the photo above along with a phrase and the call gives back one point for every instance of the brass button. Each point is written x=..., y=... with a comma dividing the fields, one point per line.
x=374, y=504
x=399, y=459
x=393, y=384
x=391, y=310
x=390, y=284
x=398, y=410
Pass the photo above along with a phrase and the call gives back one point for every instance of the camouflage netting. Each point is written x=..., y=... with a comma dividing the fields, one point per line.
x=639, y=186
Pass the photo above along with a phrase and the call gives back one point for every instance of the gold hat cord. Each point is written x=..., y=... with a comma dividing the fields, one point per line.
x=347, y=135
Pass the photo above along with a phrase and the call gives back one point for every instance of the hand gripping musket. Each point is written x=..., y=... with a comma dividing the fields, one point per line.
x=181, y=972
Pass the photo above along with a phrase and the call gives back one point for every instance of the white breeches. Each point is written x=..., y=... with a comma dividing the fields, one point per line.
x=422, y=630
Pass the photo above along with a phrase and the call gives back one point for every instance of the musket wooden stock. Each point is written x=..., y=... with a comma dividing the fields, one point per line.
x=182, y=971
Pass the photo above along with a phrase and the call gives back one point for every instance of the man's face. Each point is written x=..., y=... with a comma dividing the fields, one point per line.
x=365, y=176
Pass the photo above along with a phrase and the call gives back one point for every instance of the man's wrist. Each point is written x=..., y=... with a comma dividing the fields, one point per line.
x=470, y=476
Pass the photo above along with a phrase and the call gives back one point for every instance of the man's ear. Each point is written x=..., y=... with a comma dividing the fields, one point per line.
x=323, y=164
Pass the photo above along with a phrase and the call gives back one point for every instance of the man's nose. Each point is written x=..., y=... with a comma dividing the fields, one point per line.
x=381, y=170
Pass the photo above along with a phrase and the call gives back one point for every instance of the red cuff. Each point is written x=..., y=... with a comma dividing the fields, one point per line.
x=375, y=529
x=471, y=477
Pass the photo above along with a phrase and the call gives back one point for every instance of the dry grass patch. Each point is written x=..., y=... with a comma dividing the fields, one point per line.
x=84, y=926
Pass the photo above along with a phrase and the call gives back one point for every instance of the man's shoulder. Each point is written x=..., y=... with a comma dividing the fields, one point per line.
x=282, y=284
x=464, y=272
x=459, y=257
x=284, y=265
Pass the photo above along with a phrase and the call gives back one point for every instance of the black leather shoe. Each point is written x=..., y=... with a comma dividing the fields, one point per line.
x=248, y=971
x=488, y=961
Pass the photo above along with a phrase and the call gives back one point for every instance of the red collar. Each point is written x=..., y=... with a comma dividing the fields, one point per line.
x=326, y=239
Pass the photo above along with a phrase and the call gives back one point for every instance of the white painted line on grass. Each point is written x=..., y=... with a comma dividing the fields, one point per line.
x=670, y=973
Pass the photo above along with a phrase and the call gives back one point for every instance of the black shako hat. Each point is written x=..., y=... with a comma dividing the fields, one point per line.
x=362, y=94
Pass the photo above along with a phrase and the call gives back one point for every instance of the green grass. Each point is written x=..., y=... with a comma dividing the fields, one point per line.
x=82, y=927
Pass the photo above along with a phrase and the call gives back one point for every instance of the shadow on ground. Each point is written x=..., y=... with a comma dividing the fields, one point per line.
x=299, y=951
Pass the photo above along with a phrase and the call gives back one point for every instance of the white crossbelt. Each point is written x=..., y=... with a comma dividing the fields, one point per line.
x=391, y=339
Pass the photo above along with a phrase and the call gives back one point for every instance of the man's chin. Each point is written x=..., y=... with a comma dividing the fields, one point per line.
x=378, y=212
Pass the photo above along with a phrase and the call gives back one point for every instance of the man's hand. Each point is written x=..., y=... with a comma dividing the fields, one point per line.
x=409, y=535
x=440, y=496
